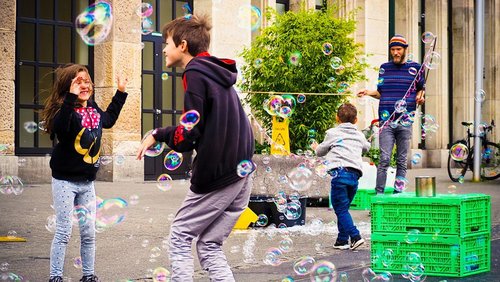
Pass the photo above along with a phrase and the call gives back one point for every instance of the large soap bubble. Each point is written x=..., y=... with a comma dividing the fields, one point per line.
x=94, y=24
x=300, y=178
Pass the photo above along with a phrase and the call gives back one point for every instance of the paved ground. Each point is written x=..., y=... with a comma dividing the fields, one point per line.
x=133, y=248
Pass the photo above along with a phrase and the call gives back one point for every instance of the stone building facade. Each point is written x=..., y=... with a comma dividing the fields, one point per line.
x=449, y=95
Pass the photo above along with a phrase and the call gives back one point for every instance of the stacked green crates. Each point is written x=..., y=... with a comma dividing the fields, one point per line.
x=451, y=233
x=363, y=198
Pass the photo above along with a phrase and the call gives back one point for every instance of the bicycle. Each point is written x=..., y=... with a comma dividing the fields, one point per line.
x=461, y=156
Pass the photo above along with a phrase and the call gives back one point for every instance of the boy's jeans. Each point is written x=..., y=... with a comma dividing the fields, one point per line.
x=388, y=136
x=344, y=187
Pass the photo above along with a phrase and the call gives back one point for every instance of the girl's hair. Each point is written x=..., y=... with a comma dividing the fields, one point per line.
x=62, y=83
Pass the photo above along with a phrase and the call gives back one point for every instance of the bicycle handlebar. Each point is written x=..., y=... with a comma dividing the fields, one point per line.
x=487, y=128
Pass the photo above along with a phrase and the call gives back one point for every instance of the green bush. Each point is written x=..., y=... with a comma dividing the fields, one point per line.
x=302, y=35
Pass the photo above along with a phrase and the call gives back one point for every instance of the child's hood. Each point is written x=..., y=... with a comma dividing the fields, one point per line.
x=222, y=71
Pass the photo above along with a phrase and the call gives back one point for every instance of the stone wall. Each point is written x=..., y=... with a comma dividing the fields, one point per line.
x=7, y=75
x=8, y=161
x=121, y=54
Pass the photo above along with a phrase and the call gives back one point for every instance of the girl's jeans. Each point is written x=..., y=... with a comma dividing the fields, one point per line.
x=69, y=196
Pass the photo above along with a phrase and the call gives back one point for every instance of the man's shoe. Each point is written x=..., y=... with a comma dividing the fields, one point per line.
x=356, y=242
x=89, y=278
x=56, y=279
x=341, y=245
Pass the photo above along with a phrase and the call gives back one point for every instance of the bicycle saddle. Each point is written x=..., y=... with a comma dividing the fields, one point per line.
x=466, y=123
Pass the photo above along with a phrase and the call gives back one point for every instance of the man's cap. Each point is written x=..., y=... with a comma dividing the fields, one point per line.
x=398, y=40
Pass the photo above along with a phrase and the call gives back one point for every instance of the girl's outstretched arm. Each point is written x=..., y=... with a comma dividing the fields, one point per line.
x=111, y=114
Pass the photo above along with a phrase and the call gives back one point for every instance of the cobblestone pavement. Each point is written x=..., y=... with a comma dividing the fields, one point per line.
x=136, y=246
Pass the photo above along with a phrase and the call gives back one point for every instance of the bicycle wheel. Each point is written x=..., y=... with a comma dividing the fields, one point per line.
x=490, y=161
x=457, y=168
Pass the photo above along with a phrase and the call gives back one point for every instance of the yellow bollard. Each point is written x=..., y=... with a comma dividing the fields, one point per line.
x=246, y=217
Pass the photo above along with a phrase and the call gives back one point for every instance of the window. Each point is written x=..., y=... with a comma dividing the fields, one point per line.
x=161, y=96
x=45, y=39
x=162, y=90
x=320, y=5
x=282, y=6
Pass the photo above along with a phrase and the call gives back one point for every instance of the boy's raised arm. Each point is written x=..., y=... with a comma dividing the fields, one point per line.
x=323, y=148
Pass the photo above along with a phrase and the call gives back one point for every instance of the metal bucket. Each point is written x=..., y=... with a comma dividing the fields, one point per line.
x=425, y=186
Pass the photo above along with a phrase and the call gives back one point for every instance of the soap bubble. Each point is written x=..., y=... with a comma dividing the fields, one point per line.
x=30, y=126
x=189, y=119
x=400, y=184
x=262, y=220
x=300, y=178
x=164, y=182
x=415, y=159
x=335, y=62
x=304, y=265
x=244, y=168
x=433, y=60
x=144, y=10
x=147, y=26
x=323, y=271
x=156, y=149
x=480, y=96
x=428, y=37
x=294, y=58
x=173, y=160
x=161, y=274
x=327, y=48
x=94, y=24
x=459, y=152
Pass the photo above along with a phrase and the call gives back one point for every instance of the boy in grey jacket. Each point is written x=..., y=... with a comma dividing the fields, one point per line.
x=343, y=146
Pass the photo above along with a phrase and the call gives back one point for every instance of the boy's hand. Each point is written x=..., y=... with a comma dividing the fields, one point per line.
x=314, y=145
x=148, y=142
x=75, y=86
x=122, y=82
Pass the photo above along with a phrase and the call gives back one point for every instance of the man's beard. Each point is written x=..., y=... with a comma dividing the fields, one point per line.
x=401, y=59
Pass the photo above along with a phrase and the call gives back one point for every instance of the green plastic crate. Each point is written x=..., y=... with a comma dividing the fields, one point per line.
x=362, y=199
x=451, y=256
x=442, y=215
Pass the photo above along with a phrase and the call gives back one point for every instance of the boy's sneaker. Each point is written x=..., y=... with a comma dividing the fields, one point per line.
x=56, y=279
x=341, y=245
x=356, y=242
x=89, y=278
